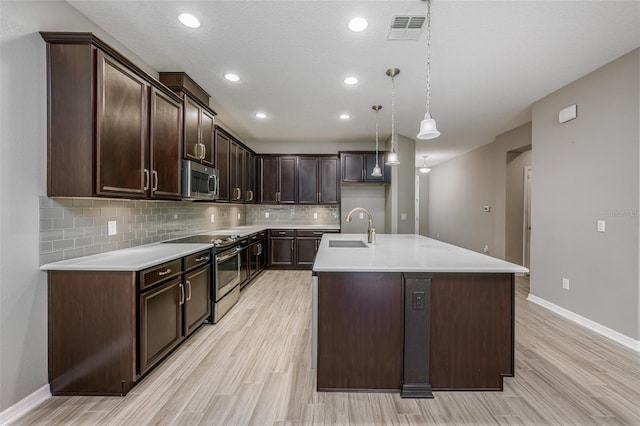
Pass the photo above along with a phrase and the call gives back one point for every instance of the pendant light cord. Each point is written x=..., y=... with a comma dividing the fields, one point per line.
x=393, y=113
x=377, y=109
x=428, y=58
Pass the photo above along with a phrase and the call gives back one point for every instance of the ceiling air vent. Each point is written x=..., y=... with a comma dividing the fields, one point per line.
x=406, y=27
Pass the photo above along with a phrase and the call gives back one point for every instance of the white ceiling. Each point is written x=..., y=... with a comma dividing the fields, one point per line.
x=490, y=61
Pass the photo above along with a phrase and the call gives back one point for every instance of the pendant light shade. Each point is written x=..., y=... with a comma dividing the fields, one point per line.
x=424, y=169
x=428, y=129
x=392, y=157
x=376, y=169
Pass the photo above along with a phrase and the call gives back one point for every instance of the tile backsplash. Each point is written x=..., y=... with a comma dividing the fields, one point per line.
x=75, y=227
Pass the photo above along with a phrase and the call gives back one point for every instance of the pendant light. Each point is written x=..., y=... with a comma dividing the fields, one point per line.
x=428, y=128
x=424, y=169
x=376, y=170
x=392, y=157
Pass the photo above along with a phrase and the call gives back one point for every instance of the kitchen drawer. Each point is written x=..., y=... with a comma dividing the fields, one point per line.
x=257, y=236
x=197, y=259
x=159, y=273
x=314, y=233
x=282, y=233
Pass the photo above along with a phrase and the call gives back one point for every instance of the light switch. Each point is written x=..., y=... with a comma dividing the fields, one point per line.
x=565, y=283
x=403, y=216
x=601, y=225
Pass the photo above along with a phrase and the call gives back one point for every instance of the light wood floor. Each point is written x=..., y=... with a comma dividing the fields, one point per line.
x=254, y=368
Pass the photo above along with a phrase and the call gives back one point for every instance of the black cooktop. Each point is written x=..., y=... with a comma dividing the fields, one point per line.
x=216, y=240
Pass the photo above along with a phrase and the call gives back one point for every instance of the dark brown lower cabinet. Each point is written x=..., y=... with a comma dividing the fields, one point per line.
x=108, y=328
x=281, y=248
x=197, y=305
x=160, y=322
x=257, y=255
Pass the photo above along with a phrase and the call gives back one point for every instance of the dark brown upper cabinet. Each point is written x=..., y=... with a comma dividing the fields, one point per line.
x=199, y=119
x=250, y=173
x=278, y=179
x=318, y=180
x=237, y=172
x=113, y=130
x=223, y=162
x=358, y=166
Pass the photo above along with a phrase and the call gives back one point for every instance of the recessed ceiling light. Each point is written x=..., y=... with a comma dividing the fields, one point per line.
x=189, y=20
x=345, y=116
x=232, y=77
x=261, y=115
x=350, y=80
x=358, y=24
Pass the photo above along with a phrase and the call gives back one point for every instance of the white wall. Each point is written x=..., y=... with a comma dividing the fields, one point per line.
x=587, y=170
x=23, y=290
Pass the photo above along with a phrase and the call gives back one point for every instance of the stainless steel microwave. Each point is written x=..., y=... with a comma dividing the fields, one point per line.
x=199, y=182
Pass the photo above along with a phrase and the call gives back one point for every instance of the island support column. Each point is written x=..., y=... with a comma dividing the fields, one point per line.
x=417, y=339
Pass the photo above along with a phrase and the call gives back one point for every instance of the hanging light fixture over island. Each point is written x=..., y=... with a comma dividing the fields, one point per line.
x=428, y=129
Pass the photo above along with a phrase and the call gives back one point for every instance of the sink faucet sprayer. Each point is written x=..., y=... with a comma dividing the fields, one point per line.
x=371, y=233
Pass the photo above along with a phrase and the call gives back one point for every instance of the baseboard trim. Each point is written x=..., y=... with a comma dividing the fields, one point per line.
x=21, y=407
x=587, y=323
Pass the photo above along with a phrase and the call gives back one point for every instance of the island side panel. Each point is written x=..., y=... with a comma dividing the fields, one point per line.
x=472, y=330
x=359, y=331
x=92, y=332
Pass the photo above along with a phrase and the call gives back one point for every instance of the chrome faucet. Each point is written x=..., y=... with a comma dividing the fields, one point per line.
x=370, y=231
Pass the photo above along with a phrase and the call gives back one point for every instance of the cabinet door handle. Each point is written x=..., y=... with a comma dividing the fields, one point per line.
x=165, y=272
x=204, y=150
x=188, y=290
x=200, y=259
x=146, y=179
x=181, y=293
x=291, y=246
x=155, y=180
x=259, y=249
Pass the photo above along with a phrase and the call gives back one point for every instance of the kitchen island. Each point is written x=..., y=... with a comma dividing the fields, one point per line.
x=411, y=313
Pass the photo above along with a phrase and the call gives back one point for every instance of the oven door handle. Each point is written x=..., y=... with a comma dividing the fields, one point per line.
x=228, y=256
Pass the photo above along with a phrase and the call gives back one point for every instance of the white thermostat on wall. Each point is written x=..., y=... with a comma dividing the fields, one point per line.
x=568, y=113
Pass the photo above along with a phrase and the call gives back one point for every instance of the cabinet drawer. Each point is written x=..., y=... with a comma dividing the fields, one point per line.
x=282, y=233
x=197, y=259
x=315, y=232
x=159, y=273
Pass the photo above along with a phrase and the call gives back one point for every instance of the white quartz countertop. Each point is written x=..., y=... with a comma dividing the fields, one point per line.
x=405, y=253
x=129, y=259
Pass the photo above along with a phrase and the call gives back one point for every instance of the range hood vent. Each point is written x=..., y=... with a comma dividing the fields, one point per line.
x=406, y=27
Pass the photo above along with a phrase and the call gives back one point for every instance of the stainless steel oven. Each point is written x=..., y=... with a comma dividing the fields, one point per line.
x=227, y=281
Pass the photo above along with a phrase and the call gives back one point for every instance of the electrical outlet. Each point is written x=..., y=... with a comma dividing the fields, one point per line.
x=418, y=300
x=403, y=216
x=111, y=227
x=238, y=215
x=213, y=217
x=486, y=249
x=361, y=215
x=266, y=215
x=175, y=216
x=315, y=215
x=565, y=283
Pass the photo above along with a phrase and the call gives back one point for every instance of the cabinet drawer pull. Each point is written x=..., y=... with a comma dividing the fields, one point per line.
x=317, y=232
x=181, y=293
x=155, y=180
x=188, y=290
x=282, y=232
x=167, y=271
x=200, y=259
x=146, y=179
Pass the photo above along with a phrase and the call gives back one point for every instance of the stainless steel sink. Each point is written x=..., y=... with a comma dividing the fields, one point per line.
x=348, y=243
